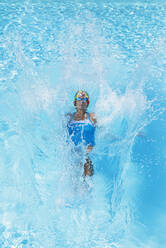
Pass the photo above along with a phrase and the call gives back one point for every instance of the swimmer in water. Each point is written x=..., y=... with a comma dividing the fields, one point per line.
x=81, y=128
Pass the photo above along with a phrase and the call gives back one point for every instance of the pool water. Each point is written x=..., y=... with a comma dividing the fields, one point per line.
x=115, y=50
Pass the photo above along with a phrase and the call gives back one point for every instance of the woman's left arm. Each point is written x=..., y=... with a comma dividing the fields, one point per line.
x=93, y=118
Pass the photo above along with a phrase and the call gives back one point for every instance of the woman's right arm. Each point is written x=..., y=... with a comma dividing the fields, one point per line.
x=68, y=116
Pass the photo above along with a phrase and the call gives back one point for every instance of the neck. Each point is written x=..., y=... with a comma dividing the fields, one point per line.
x=81, y=112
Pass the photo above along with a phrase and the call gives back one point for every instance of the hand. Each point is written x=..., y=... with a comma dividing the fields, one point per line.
x=89, y=148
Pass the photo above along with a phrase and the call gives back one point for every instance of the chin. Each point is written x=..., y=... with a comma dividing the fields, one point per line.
x=82, y=108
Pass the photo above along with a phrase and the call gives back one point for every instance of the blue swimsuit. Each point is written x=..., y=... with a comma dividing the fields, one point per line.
x=82, y=131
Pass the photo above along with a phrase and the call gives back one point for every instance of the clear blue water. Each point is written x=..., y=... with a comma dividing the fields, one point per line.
x=116, y=51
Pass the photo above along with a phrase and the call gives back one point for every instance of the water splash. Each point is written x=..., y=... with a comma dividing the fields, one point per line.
x=48, y=51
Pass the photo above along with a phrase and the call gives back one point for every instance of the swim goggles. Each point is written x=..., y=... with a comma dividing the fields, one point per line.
x=84, y=99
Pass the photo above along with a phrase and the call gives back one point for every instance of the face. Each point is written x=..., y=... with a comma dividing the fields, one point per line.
x=81, y=104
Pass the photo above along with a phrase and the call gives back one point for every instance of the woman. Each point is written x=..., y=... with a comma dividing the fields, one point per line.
x=81, y=128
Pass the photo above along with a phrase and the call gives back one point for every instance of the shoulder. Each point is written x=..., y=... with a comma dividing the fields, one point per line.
x=93, y=117
x=69, y=116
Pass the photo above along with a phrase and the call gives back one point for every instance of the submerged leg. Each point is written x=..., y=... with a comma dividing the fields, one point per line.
x=88, y=168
